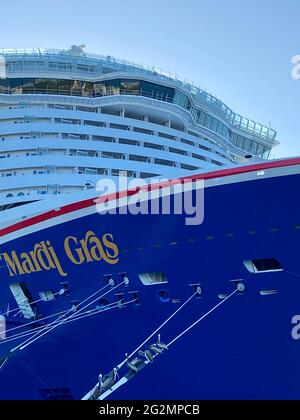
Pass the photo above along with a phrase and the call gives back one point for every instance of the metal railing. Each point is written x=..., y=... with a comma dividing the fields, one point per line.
x=90, y=93
x=97, y=62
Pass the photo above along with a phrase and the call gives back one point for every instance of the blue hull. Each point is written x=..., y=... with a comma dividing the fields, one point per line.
x=243, y=350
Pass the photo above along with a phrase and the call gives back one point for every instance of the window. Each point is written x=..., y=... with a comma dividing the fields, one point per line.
x=140, y=130
x=56, y=394
x=131, y=87
x=23, y=299
x=147, y=175
x=196, y=156
x=85, y=68
x=91, y=171
x=119, y=126
x=188, y=167
x=153, y=146
x=266, y=152
x=247, y=145
x=112, y=155
x=234, y=139
x=182, y=100
x=225, y=132
x=187, y=142
x=254, y=147
x=219, y=127
x=94, y=123
x=177, y=151
x=204, y=148
x=263, y=265
x=41, y=85
x=47, y=296
x=102, y=138
x=112, y=87
x=128, y=141
x=28, y=86
x=52, y=189
x=208, y=121
x=155, y=91
x=164, y=162
x=4, y=85
x=215, y=162
x=166, y=136
x=240, y=142
x=127, y=87
x=100, y=89
x=149, y=279
x=60, y=66
x=41, y=151
x=51, y=85
x=51, y=169
x=86, y=109
x=138, y=158
x=260, y=150
x=214, y=124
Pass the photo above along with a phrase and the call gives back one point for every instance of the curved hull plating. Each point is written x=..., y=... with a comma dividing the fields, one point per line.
x=244, y=349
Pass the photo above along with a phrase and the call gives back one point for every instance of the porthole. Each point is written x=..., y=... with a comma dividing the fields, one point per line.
x=164, y=296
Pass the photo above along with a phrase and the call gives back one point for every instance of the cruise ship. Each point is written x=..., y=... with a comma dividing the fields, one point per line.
x=100, y=303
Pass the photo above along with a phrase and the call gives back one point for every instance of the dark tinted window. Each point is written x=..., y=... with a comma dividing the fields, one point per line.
x=4, y=85
x=124, y=87
x=130, y=86
x=159, y=92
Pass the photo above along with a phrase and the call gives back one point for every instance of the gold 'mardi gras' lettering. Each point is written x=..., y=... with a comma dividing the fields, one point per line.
x=79, y=251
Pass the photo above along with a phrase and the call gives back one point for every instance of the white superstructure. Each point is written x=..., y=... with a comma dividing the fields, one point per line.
x=67, y=118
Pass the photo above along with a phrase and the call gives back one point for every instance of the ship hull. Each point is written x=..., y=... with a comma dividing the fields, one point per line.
x=242, y=350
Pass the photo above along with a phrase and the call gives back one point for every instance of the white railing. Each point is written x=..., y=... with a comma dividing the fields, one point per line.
x=207, y=99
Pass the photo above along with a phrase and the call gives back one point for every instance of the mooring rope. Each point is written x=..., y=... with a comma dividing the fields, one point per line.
x=50, y=327
x=114, y=305
x=157, y=330
x=125, y=379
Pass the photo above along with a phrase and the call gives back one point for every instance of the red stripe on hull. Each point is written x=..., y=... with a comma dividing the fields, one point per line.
x=69, y=208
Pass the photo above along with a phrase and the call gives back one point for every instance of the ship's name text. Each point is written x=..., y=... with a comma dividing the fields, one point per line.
x=43, y=256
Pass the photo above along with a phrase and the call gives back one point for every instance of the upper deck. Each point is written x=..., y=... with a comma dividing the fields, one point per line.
x=75, y=64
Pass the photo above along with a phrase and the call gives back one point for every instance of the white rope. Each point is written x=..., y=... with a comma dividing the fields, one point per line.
x=3, y=363
x=20, y=307
x=56, y=324
x=84, y=315
x=36, y=321
x=88, y=395
x=157, y=329
x=24, y=304
x=293, y=274
x=21, y=334
x=38, y=335
x=202, y=317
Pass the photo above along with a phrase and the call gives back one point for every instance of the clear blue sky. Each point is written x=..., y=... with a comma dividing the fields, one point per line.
x=240, y=50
